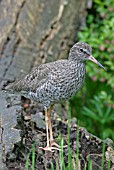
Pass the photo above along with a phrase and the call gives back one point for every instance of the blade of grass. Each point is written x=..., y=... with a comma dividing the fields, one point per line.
x=103, y=156
x=33, y=157
x=57, y=166
x=89, y=163
x=27, y=162
x=62, y=163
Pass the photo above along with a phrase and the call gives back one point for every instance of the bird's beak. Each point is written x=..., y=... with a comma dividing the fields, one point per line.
x=96, y=62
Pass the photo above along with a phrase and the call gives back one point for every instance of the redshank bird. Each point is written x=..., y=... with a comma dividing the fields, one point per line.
x=56, y=81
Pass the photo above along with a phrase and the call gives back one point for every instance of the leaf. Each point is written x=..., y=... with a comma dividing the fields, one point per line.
x=90, y=114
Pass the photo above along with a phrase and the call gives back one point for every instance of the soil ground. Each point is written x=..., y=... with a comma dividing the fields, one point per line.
x=83, y=145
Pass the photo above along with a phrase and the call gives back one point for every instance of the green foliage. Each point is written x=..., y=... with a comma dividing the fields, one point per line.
x=100, y=34
x=100, y=114
x=95, y=103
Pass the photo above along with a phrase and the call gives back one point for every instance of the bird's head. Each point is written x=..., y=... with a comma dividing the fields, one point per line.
x=82, y=51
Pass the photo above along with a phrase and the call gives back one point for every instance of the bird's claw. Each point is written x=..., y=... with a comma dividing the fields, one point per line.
x=53, y=143
x=50, y=148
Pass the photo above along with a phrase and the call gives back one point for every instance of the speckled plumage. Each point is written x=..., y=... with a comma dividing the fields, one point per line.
x=54, y=82
x=61, y=83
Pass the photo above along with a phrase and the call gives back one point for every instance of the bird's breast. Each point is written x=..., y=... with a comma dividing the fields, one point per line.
x=72, y=83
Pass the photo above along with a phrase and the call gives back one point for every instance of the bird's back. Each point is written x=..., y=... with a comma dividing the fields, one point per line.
x=35, y=78
x=32, y=80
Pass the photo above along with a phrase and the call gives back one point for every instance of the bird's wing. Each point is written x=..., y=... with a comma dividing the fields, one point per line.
x=32, y=80
x=37, y=77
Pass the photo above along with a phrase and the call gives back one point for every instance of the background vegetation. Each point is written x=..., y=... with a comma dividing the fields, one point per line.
x=94, y=104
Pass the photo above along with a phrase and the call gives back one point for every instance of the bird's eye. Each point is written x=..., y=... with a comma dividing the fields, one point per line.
x=81, y=50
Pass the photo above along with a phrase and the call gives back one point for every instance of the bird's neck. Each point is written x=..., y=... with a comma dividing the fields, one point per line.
x=76, y=60
x=77, y=64
x=80, y=63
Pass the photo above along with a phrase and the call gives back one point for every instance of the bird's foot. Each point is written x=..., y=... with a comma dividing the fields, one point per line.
x=50, y=148
x=53, y=146
x=53, y=143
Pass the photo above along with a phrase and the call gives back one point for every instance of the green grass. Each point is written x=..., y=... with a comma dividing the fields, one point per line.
x=103, y=155
x=27, y=165
x=27, y=162
x=89, y=163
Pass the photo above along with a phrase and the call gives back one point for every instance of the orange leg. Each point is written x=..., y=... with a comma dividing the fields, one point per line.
x=49, y=123
x=50, y=142
x=47, y=126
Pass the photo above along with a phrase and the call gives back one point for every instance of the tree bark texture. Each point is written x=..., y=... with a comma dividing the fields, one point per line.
x=32, y=32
